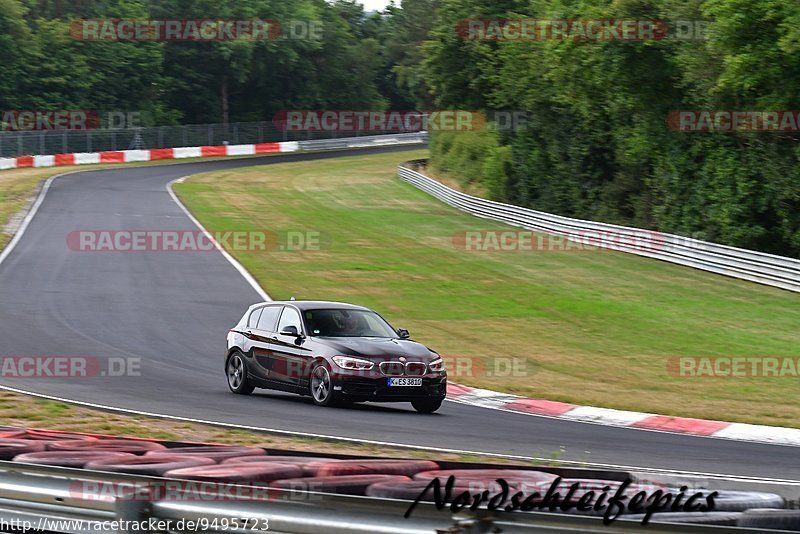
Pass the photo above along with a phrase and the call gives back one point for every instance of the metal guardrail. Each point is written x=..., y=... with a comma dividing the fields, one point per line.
x=364, y=141
x=767, y=269
x=36, y=492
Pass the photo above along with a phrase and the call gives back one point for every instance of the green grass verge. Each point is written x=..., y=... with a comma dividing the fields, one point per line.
x=593, y=328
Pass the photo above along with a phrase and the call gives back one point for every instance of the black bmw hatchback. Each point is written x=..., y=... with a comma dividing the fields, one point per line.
x=333, y=352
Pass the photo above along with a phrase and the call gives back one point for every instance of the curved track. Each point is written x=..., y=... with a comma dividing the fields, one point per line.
x=173, y=310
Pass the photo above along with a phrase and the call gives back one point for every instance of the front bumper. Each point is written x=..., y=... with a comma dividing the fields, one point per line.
x=375, y=388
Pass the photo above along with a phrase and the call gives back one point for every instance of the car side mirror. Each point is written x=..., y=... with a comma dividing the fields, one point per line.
x=403, y=333
x=290, y=331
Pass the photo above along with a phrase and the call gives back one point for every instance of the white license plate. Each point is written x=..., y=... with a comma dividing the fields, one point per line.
x=404, y=381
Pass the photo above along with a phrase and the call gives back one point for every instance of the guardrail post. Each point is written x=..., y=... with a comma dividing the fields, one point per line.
x=470, y=524
x=133, y=513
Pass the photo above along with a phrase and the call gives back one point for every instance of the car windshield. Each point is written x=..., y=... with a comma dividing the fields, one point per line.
x=347, y=323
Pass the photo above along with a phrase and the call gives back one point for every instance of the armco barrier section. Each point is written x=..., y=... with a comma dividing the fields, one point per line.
x=46, y=483
x=129, y=156
x=767, y=269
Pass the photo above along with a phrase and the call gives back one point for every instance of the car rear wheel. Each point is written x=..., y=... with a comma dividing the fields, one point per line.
x=321, y=387
x=427, y=405
x=236, y=371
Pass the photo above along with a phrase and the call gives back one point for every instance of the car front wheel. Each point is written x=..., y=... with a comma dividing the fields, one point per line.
x=427, y=405
x=236, y=370
x=321, y=386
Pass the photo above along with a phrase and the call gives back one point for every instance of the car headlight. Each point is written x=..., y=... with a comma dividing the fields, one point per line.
x=437, y=365
x=353, y=364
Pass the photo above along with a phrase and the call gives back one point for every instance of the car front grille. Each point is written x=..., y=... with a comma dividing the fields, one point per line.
x=393, y=368
x=415, y=368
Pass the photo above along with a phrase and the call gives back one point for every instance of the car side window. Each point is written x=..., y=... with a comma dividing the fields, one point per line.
x=289, y=317
x=268, y=318
x=253, y=320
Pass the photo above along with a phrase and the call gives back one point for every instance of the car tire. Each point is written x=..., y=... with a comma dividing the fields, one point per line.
x=236, y=373
x=320, y=387
x=427, y=405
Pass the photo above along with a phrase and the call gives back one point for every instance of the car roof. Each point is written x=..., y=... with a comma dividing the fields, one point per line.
x=314, y=305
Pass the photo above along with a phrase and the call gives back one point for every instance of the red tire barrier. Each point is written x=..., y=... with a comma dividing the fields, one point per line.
x=347, y=485
x=64, y=159
x=512, y=476
x=161, y=153
x=239, y=473
x=119, y=445
x=266, y=148
x=303, y=461
x=412, y=489
x=371, y=467
x=24, y=161
x=150, y=465
x=70, y=458
x=215, y=452
x=207, y=151
x=283, y=459
x=12, y=432
x=112, y=157
x=9, y=448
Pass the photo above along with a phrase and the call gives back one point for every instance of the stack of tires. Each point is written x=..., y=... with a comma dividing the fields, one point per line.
x=394, y=479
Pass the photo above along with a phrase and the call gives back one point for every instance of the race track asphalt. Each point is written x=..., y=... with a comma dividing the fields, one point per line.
x=173, y=310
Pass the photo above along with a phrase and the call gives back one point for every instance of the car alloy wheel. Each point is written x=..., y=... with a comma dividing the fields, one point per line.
x=237, y=374
x=321, y=386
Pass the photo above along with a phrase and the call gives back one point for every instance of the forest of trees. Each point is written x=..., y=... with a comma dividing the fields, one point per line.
x=596, y=144
x=362, y=60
